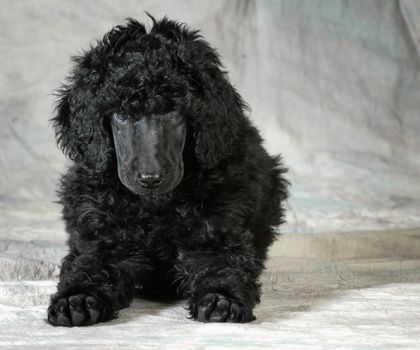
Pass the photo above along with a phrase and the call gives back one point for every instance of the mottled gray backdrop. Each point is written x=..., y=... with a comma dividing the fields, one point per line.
x=333, y=85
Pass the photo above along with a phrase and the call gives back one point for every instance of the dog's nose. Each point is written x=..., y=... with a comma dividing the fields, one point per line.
x=149, y=180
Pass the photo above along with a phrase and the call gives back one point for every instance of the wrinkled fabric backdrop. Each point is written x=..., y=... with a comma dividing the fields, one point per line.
x=333, y=86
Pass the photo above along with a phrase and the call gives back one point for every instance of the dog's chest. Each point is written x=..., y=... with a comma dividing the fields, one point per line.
x=164, y=232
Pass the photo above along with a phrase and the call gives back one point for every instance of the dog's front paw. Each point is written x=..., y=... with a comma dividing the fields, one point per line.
x=78, y=310
x=216, y=307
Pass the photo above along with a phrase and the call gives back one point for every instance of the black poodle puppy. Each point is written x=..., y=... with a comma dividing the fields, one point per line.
x=170, y=191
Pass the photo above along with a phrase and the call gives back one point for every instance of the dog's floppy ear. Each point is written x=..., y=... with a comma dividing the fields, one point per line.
x=219, y=109
x=78, y=125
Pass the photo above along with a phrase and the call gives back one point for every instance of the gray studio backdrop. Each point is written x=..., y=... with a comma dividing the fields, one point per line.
x=333, y=85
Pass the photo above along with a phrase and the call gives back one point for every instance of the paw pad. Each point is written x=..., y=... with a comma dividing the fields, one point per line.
x=216, y=307
x=76, y=310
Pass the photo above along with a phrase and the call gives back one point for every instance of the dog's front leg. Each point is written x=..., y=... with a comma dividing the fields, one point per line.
x=222, y=286
x=92, y=289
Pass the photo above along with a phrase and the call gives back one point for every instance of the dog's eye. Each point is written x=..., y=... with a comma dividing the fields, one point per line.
x=174, y=116
x=120, y=117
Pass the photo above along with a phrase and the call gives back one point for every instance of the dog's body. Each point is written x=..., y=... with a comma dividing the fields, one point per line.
x=191, y=211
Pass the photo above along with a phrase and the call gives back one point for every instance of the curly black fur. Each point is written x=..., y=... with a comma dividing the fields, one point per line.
x=207, y=238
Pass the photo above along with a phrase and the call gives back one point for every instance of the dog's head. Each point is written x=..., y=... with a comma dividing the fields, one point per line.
x=131, y=100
